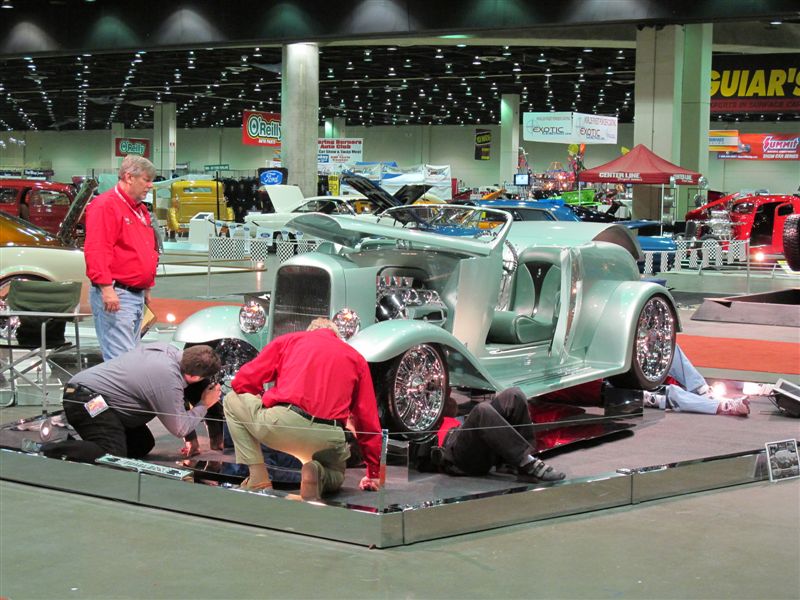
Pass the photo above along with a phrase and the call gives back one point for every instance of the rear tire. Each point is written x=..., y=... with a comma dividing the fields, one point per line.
x=791, y=242
x=653, y=346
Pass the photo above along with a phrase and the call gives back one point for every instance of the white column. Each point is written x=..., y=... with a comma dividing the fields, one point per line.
x=509, y=137
x=164, y=138
x=300, y=114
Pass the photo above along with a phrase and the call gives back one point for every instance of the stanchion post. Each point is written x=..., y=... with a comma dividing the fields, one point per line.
x=208, y=273
x=382, y=477
x=747, y=262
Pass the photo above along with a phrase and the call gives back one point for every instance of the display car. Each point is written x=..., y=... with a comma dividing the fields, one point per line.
x=190, y=197
x=444, y=295
x=651, y=234
x=29, y=252
x=757, y=217
x=47, y=202
x=369, y=202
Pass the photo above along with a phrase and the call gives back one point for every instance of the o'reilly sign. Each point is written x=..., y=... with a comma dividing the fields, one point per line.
x=125, y=146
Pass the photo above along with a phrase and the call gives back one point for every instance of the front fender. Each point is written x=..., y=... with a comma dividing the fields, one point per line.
x=216, y=323
x=388, y=339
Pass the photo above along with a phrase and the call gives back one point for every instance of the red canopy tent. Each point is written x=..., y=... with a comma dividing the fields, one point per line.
x=640, y=165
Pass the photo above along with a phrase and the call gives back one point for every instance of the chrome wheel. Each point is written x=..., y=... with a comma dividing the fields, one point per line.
x=655, y=339
x=232, y=354
x=417, y=388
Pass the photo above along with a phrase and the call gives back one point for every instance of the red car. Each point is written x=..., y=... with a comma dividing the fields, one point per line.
x=47, y=202
x=759, y=218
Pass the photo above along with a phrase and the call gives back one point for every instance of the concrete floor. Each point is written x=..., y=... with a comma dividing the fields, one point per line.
x=741, y=542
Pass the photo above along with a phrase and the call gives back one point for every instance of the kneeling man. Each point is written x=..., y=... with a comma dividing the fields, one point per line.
x=320, y=381
x=110, y=404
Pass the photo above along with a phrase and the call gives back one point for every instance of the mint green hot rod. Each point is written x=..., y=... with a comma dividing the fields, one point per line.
x=443, y=295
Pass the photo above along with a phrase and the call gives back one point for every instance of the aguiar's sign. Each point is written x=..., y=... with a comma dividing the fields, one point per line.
x=125, y=146
x=756, y=83
x=261, y=128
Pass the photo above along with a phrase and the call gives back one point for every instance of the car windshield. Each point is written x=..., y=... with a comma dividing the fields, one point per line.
x=463, y=221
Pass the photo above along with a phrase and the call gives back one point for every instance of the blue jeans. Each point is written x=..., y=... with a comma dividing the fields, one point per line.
x=686, y=400
x=117, y=332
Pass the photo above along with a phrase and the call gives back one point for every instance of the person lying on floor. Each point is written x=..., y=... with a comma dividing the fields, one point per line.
x=110, y=404
x=692, y=392
x=498, y=431
x=686, y=391
x=320, y=382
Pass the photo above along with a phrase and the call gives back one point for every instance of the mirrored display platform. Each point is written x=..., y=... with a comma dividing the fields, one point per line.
x=671, y=454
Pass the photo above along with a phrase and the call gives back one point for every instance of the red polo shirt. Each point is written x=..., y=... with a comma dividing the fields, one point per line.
x=324, y=376
x=120, y=243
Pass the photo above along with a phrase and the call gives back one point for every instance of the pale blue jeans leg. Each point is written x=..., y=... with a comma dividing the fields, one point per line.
x=117, y=332
x=679, y=399
x=684, y=372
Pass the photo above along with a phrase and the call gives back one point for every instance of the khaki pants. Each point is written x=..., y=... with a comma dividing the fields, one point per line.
x=282, y=429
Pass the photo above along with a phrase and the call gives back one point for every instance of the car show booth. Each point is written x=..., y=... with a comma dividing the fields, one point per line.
x=641, y=166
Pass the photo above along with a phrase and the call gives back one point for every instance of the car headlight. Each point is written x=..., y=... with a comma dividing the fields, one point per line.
x=252, y=317
x=348, y=323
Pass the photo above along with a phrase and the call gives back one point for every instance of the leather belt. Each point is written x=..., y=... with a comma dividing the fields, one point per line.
x=78, y=392
x=122, y=286
x=296, y=409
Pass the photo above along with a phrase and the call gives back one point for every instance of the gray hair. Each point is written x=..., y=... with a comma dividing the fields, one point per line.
x=136, y=165
x=323, y=323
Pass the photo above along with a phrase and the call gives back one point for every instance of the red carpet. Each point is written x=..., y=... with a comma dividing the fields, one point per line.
x=741, y=355
x=712, y=352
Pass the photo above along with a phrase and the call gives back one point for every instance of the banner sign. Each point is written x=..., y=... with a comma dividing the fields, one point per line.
x=757, y=83
x=483, y=144
x=272, y=176
x=219, y=167
x=594, y=129
x=261, y=128
x=553, y=127
x=766, y=146
x=569, y=128
x=125, y=146
x=723, y=140
x=340, y=150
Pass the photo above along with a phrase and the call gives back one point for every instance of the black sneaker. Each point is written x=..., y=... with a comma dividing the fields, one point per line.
x=538, y=471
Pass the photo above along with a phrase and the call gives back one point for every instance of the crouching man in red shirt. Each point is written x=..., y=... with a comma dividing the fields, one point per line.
x=320, y=381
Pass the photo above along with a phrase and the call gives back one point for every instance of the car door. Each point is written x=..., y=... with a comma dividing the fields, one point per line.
x=9, y=200
x=48, y=208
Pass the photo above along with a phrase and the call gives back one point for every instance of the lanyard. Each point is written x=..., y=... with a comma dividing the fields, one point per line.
x=139, y=215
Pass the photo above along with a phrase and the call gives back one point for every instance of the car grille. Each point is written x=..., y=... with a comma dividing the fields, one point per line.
x=301, y=295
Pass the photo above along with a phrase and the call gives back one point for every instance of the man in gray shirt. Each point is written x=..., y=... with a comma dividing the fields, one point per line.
x=110, y=404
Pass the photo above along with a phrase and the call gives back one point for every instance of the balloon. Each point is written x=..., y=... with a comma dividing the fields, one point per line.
x=625, y=150
x=572, y=149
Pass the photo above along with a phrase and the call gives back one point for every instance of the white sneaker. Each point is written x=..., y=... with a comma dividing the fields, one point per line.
x=739, y=407
x=757, y=389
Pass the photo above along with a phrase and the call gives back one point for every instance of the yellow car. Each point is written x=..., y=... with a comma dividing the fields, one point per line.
x=187, y=198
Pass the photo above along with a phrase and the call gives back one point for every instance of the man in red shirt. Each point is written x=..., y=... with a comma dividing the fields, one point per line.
x=320, y=381
x=121, y=254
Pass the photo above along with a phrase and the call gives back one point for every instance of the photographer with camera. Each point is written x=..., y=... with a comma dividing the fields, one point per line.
x=110, y=404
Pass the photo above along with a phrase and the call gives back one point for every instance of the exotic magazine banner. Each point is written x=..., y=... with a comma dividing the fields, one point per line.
x=766, y=146
x=261, y=128
x=758, y=83
x=569, y=128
